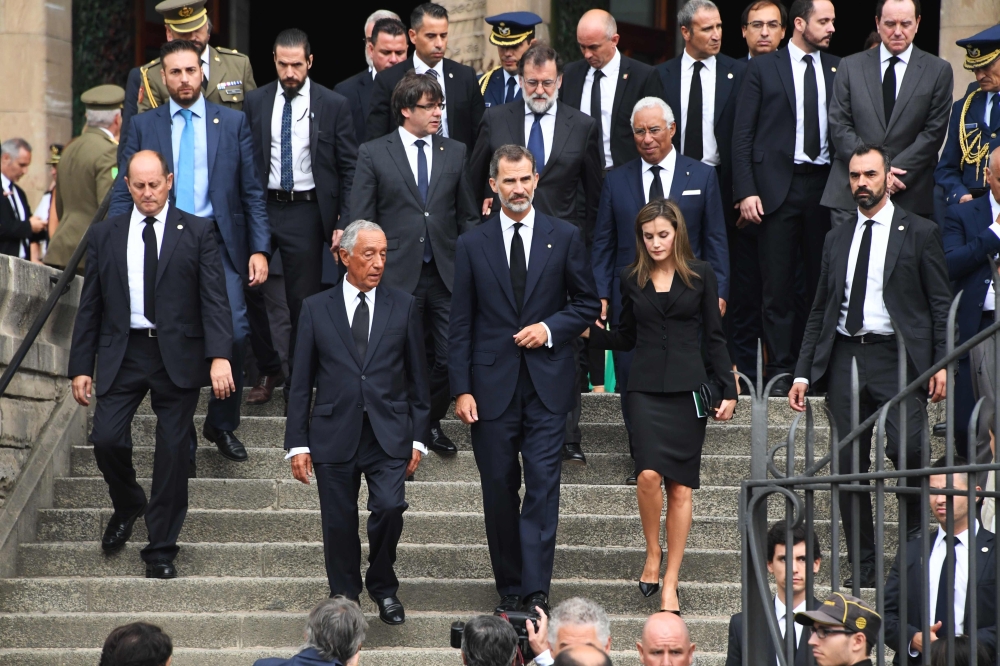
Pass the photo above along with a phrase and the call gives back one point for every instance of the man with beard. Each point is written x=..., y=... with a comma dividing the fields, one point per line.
x=308, y=180
x=883, y=276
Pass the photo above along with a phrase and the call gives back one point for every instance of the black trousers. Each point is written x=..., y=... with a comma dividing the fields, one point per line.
x=589, y=370
x=878, y=382
x=338, y=485
x=743, y=318
x=434, y=303
x=142, y=372
x=791, y=237
x=261, y=338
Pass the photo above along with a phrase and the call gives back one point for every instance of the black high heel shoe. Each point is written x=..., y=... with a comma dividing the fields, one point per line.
x=675, y=612
x=649, y=589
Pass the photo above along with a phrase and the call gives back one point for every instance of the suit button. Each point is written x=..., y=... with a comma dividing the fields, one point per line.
x=426, y=214
x=518, y=354
x=663, y=347
x=360, y=406
x=664, y=337
x=663, y=327
x=363, y=378
x=421, y=239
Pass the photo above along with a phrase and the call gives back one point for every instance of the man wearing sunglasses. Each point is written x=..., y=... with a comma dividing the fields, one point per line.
x=844, y=631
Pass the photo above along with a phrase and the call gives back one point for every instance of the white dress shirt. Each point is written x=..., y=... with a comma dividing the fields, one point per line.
x=351, y=302
x=989, y=304
x=548, y=123
x=938, y=554
x=301, y=157
x=666, y=176
x=710, y=148
x=608, y=86
x=526, y=231
x=17, y=205
x=410, y=146
x=900, y=68
x=42, y=210
x=420, y=67
x=779, y=610
x=135, y=257
x=798, y=73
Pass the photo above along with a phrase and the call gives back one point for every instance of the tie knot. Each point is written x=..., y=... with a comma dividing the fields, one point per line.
x=808, y=60
x=431, y=72
x=656, y=169
x=698, y=65
x=598, y=75
x=289, y=96
x=362, y=297
x=420, y=143
x=149, y=220
x=893, y=60
x=186, y=113
x=517, y=227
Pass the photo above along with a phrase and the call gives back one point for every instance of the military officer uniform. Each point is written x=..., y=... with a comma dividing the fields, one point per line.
x=87, y=170
x=499, y=86
x=975, y=125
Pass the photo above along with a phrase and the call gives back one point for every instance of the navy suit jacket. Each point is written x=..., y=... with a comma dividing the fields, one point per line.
x=234, y=189
x=482, y=357
x=308, y=657
x=358, y=91
x=952, y=174
x=968, y=242
x=390, y=382
x=496, y=89
x=130, y=107
x=621, y=200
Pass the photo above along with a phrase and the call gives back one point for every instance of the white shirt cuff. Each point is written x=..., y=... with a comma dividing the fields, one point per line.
x=801, y=380
x=995, y=228
x=296, y=450
x=420, y=447
x=545, y=659
x=548, y=343
x=913, y=653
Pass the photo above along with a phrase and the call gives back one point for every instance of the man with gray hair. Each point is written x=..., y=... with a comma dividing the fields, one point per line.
x=334, y=634
x=576, y=621
x=17, y=227
x=487, y=640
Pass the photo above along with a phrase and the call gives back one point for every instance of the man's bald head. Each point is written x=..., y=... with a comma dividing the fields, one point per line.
x=665, y=639
x=597, y=35
x=582, y=655
x=146, y=160
x=149, y=181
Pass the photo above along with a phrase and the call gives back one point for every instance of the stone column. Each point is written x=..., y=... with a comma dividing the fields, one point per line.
x=465, y=31
x=959, y=19
x=36, y=58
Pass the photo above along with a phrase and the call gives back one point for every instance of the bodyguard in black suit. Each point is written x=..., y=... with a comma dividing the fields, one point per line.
x=17, y=230
x=882, y=277
x=361, y=345
x=621, y=81
x=155, y=316
x=463, y=101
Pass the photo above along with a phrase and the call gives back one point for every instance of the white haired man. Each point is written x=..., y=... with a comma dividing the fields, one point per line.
x=576, y=621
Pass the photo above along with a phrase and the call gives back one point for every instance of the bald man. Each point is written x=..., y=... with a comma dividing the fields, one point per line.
x=665, y=640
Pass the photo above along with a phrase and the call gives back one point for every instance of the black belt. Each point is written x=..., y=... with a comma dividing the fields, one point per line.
x=810, y=168
x=285, y=197
x=867, y=338
x=143, y=332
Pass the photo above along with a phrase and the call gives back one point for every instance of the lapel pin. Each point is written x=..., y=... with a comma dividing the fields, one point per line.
x=441, y=148
x=180, y=226
x=216, y=121
x=625, y=76
x=217, y=59
x=901, y=227
x=730, y=75
x=833, y=69
x=450, y=75
x=687, y=173
x=985, y=549
x=549, y=246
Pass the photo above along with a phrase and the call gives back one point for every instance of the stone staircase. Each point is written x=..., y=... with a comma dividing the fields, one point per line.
x=251, y=559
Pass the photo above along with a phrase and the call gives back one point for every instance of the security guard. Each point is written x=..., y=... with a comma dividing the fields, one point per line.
x=87, y=170
x=512, y=33
x=975, y=122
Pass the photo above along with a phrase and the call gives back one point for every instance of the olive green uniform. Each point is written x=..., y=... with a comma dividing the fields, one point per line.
x=230, y=77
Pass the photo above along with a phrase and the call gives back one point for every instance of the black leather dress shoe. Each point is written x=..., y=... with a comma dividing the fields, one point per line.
x=440, y=442
x=161, y=569
x=573, y=454
x=867, y=577
x=632, y=479
x=390, y=610
x=230, y=447
x=539, y=599
x=508, y=603
x=781, y=388
x=119, y=530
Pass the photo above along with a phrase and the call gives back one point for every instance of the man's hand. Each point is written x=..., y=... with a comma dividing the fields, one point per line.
x=725, y=410
x=937, y=387
x=487, y=206
x=465, y=408
x=335, y=244
x=895, y=184
x=538, y=639
x=604, y=313
x=722, y=307
x=411, y=466
x=917, y=642
x=221, y=373
x=797, y=397
x=37, y=224
x=531, y=337
x=258, y=269
x=302, y=467
x=751, y=210
x=82, y=385
x=964, y=198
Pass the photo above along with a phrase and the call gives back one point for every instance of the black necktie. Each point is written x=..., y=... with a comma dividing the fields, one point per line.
x=150, y=259
x=856, y=306
x=655, y=187
x=511, y=90
x=359, y=327
x=889, y=88
x=810, y=103
x=595, y=107
x=941, y=611
x=518, y=266
x=693, y=143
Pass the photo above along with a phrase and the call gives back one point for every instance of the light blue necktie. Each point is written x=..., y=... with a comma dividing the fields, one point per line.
x=287, y=173
x=536, y=144
x=184, y=192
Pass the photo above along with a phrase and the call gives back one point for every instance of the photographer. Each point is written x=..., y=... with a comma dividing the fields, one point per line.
x=576, y=621
x=488, y=641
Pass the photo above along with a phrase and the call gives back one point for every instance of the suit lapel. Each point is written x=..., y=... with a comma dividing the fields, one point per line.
x=172, y=230
x=267, y=112
x=119, y=248
x=164, y=131
x=363, y=96
x=560, y=134
x=437, y=164
x=315, y=119
x=541, y=249
x=784, y=67
x=672, y=91
x=496, y=257
x=914, y=70
x=984, y=544
x=649, y=291
x=515, y=122
x=572, y=89
x=634, y=175
x=872, y=69
x=383, y=308
x=677, y=289
x=212, y=131
x=897, y=232
x=829, y=71
x=682, y=174
x=450, y=93
x=623, y=74
x=843, y=250
x=394, y=145
x=723, y=86
x=338, y=314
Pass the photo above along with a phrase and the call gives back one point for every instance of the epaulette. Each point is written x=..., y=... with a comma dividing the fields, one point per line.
x=484, y=81
x=221, y=49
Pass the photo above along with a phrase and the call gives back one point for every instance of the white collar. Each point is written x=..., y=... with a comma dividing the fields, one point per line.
x=198, y=108
x=351, y=292
x=423, y=67
x=161, y=217
x=302, y=92
x=410, y=139
x=668, y=163
x=884, y=216
x=6, y=182
x=613, y=65
x=779, y=607
x=507, y=223
x=959, y=538
x=687, y=61
x=550, y=112
x=883, y=54
x=798, y=54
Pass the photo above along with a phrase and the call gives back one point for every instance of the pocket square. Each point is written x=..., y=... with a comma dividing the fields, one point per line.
x=687, y=192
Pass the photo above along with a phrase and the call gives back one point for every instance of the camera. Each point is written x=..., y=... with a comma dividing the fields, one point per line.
x=518, y=620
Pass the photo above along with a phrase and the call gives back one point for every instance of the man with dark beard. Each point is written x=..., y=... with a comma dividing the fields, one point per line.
x=883, y=276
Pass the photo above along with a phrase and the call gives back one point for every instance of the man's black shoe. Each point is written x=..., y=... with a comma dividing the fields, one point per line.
x=119, y=530
x=539, y=599
x=161, y=569
x=390, y=610
x=440, y=442
x=867, y=577
x=573, y=454
x=230, y=447
x=781, y=388
x=632, y=479
x=508, y=603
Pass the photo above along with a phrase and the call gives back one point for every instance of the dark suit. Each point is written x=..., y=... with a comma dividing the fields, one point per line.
x=953, y=174
x=494, y=88
x=916, y=579
x=734, y=654
x=358, y=92
x=130, y=107
x=635, y=81
x=916, y=294
x=523, y=395
x=15, y=234
x=308, y=657
x=461, y=95
x=193, y=326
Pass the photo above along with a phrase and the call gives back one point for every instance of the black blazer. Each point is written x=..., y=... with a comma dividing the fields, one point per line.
x=569, y=186
x=734, y=655
x=728, y=78
x=358, y=91
x=635, y=81
x=390, y=382
x=667, y=342
x=461, y=94
x=986, y=583
x=915, y=290
x=193, y=320
x=332, y=146
x=764, y=128
x=14, y=232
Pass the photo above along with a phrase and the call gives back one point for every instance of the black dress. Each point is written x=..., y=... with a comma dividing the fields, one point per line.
x=665, y=329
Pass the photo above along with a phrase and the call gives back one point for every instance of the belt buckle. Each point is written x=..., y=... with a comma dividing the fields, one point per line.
x=151, y=332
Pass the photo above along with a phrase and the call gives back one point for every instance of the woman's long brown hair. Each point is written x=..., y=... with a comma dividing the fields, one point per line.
x=643, y=265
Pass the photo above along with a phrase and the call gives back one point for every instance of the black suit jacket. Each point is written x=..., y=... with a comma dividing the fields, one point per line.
x=635, y=81
x=734, y=655
x=193, y=320
x=130, y=107
x=764, y=128
x=728, y=78
x=358, y=91
x=332, y=146
x=14, y=232
x=915, y=290
x=690, y=314
x=390, y=383
x=461, y=94
x=986, y=584
x=569, y=186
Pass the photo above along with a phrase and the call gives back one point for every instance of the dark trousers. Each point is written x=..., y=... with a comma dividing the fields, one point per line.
x=790, y=237
x=142, y=372
x=225, y=414
x=878, y=382
x=521, y=536
x=622, y=360
x=744, y=320
x=262, y=341
x=589, y=370
x=434, y=303
x=338, y=485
